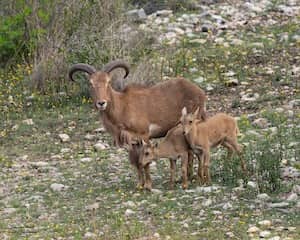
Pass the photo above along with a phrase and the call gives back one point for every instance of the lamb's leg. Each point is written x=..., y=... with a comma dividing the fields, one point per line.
x=238, y=149
x=200, y=168
x=190, y=165
x=172, y=172
x=148, y=181
x=184, y=166
x=206, y=158
x=134, y=160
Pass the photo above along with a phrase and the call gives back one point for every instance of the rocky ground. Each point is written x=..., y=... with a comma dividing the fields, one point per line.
x=62, y=179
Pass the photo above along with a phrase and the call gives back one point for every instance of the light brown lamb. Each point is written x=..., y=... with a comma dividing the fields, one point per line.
x=220, y=129
x=172, y=146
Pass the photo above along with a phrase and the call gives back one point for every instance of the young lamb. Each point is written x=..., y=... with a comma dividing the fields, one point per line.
x=220, y=129
x=172, y=146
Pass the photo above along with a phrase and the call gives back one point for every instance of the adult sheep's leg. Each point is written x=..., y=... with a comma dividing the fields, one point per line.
x=134, y=160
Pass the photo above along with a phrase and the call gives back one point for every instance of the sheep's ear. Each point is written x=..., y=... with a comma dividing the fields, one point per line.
x=196, y=113
x=144, y=143
x=155, y=144
x=184, y=111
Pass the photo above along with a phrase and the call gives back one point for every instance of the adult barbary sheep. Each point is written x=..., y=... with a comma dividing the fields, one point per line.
x=139, y=112
x=220, y=129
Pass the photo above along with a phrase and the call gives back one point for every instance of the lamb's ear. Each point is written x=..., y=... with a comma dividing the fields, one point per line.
x=144, y=143
x=196, y=113
x=184, y=111
x=155, y=144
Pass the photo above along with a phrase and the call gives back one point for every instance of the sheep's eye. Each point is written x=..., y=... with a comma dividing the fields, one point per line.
x=146, y=153
x=190, y=121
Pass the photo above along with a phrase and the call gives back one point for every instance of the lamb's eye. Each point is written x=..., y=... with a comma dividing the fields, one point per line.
x=190, y=121
x=146, y=153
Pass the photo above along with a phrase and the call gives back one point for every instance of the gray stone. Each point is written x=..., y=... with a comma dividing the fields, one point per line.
x=164, y=13
x=9, y=210
x=89, y=235
x=87, y=159
x=296, y=189
x=265, y=223
x=207, y=202
x=89, y=137
x=251, y=184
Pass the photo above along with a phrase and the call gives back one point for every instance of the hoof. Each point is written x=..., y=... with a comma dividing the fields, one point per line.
x=148, y=187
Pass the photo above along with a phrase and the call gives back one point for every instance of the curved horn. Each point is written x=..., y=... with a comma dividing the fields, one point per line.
x=116, y=64
x=81, y=67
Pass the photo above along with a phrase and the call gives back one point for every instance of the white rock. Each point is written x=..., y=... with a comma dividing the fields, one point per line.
x=99, y=146
x=89, y=137
x=264, y=234
x=250, y=97
x=156, y=235
x=252, y=184
x=92, y=207
x=99, y=130
x=263, y=197
x=64, y=137
x=129, y=204
x=164, y=13
x=261, y=122
x=265, y=223
x=229, y=234
x=28, y=121
x=227, y=206
x=156, y=191
x=65, y=150
x=57, y=187
x=296, y=189
x=86, y=159
x=293, y=197
x=129, y=212
x=274, y=238
x=279, y=205
x=137, y=14
x=199, y=79
x=253, y=229
x=207, y=202
x=89, y=235
x=9, y=210
x=39, y=164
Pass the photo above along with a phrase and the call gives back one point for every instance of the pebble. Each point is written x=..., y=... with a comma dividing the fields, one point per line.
x=227, y=206
x=9, y=210
x=296, y=189
x=253, y=229
x=229, y=234
x=264, y=234
x=252, y=184
x=265, y=223
x=89, y=235
x=207, y=202
x=92, y=207
x=89, y=137
x=274, y=238
x=129, y=204
x=64, y=137
x=57, y=187
x=293, y=197
x=279, y=205
x=28, y=121
x=261, y=123
x=156, y=191
x=129, y=212
x=86, y=159
x=99, y=146
x=263, y=197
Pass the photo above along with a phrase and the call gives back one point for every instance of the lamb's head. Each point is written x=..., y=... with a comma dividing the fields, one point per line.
x=187, y=119
x=149, y=153
x=100, y=87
